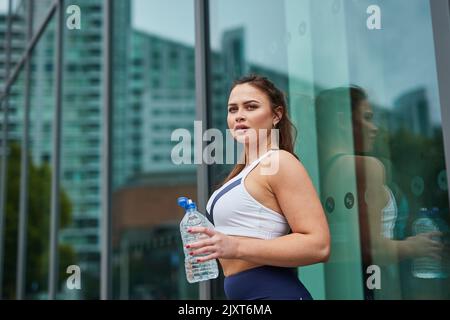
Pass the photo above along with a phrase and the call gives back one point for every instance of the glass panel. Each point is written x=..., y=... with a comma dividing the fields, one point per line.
x=409, y=146
x=81, y=148
x=244, y=43
x=3, y=27
x=40, y=170
x=316, y=65
x=18, y=31
x=16, y=103
x=379, y=131
x=369, y=128
x=154, y=94
x=17, y=36
x=40, y=10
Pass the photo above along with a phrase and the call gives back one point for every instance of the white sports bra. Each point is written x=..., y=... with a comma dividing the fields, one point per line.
x=233, y=211
x=389, y=216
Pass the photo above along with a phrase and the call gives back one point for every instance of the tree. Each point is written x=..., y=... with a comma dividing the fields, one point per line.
x=39, y=197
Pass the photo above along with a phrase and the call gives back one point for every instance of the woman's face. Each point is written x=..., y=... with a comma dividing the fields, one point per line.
x=365, y=131
x=249, y=110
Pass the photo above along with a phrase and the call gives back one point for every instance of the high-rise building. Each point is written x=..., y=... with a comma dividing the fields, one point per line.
x=17, y=36
x=81, y=136
x=162, y=99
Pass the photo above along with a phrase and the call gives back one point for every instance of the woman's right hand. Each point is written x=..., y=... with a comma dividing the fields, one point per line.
x=423, y=245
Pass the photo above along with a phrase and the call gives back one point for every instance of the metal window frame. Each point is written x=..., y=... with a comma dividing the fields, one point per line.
x=27, y=52
x=4, y=165
x=11, y=77
x=202, y=94
x=440, y=18
x=23, y=205
x=56, y=158
x=106, y=223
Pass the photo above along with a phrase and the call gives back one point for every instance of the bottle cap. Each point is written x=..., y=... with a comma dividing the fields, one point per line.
x=182, y=202
x=434, y=212
x=191, y=204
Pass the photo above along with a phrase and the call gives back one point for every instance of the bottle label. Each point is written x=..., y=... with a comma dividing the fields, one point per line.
x=193, y=220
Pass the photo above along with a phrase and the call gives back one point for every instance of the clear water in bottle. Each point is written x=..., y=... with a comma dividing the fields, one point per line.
x=195, y=271
x=428, y=267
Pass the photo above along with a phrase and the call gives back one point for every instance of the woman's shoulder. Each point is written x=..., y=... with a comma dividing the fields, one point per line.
x=285, y=157
x=372, y=169
x=280, y=163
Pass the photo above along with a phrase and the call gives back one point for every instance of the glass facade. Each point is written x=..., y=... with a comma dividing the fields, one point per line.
x=363, y=81
x=41, y=110
x=81, y=139
x=154, y=94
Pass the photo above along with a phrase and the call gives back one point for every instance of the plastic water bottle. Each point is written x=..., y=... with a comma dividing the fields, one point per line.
x=428, y=267
x=195, y=271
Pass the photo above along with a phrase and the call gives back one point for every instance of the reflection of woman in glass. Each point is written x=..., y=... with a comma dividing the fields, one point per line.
x=347, y=133
x=265, y=224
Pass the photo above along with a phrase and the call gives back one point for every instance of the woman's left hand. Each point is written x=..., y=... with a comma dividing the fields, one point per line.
x=217, y=244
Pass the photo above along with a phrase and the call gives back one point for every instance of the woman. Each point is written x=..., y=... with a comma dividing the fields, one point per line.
x=347, y=134
x=265, y=224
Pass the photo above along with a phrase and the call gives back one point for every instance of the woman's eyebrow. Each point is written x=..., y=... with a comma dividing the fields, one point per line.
x=246, y=102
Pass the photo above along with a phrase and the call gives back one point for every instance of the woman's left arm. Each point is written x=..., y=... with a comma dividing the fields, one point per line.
x=309, y=241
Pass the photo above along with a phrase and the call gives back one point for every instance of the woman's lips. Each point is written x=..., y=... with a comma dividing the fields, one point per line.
x=241, y=131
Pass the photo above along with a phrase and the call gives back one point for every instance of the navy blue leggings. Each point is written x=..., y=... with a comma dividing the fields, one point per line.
x=266, y=283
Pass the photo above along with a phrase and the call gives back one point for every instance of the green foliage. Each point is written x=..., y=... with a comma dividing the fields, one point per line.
x=414, y=155
x=38, y=227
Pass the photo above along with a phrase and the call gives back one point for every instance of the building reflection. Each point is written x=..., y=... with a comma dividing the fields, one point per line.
x=154, y=94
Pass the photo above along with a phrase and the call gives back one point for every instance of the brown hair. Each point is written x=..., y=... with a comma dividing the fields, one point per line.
x=277, y=98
